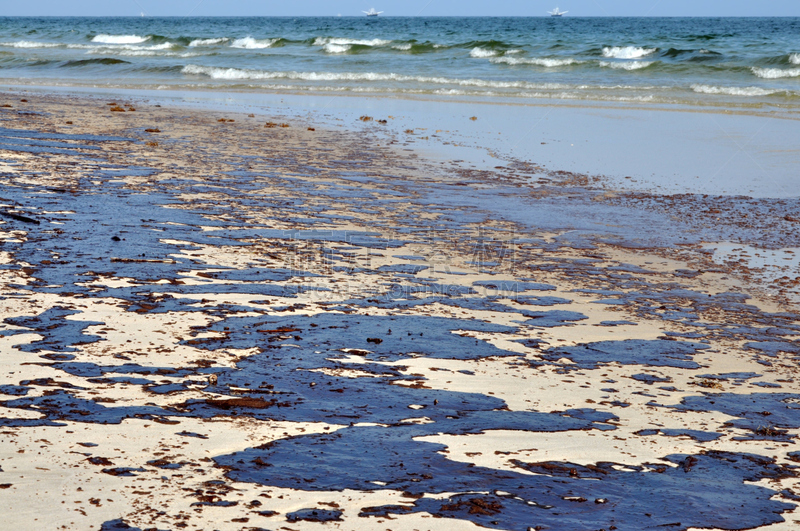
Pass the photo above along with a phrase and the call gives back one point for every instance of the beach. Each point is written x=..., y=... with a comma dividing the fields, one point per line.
x=221, y=319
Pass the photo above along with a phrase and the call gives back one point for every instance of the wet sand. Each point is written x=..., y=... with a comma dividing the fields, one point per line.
x=228, y=321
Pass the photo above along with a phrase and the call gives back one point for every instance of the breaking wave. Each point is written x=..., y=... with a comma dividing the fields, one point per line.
x=633, y=65
x=208, y=42
x=775, y=73
x=120, y=39
x=549, y=62
x=238, y=74
x=336, y=48
x=734, y=91
x=30, y=44
x=482, y=52
x=627, y=52
x=322, y=41
x=249, y=43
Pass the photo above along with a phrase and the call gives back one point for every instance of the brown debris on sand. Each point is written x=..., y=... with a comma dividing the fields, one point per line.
x=231, y=403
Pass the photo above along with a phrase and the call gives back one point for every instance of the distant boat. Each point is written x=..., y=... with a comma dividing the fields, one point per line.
x=557, y=13
x=372, y=12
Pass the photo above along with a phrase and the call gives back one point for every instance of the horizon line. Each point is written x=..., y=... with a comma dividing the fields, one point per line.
x=398, y=16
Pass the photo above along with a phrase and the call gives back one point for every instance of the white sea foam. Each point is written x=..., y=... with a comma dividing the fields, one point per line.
x=336, y=48
x=482, y=52
x=795, y=58
x=549, y=62
x=120, y=39
x=322, y=41
x=626, y=52
x=733, y=91
x=236, y=74
x=633, y=65
x=403, y=47
x=776, y=73
x=128, y=49
x=30, y=44
x=141, y=53
x=249, y=43
x=208, y=42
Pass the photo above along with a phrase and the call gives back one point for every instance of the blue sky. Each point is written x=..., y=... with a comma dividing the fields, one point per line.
x=402, y=7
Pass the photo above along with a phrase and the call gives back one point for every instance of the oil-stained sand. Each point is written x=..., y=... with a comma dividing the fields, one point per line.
x=215, y=324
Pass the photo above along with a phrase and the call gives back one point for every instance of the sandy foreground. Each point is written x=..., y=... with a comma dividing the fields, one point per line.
x=227, y=321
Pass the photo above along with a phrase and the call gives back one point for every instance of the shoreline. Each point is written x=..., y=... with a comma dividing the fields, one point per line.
x=303, y=318
x=677, y=149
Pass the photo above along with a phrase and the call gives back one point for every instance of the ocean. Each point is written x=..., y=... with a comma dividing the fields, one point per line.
x=750, y=63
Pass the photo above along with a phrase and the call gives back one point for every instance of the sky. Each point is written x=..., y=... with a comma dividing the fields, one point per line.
x=589, y=8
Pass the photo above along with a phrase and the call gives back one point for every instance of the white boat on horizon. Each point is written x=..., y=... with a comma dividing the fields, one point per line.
x=557, y=13
x=372, y=12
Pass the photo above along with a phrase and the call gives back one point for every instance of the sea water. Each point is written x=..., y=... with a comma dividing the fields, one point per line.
x=731, y=62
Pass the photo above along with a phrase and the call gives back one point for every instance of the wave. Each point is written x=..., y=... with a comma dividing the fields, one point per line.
x=322, y=41
x=249, y=43
x=208, y=42
x=30, y=44
x=415, y=47
x=334, y=45
x=795, y=58
x=238, y=74
x=112, y=48
x=440, y=91
x=549, y=62
x=120, y=39
x=486, y=45
x=775, y=73
x=128, y=50
x=144, y=53
x=633, y=65
x=734, y=91
x=482, y=52
x=627, y=52
x=87, y=62
x=336, y=48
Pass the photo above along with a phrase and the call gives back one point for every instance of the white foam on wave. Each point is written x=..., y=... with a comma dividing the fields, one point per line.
x=322, y=41
x=795, y=58
x=733, y=91
x=30, y=44
x=482, y=52
x=549, y=62
x=626, y=52
x=208, y=42
x=336, y=48
x=127, y=49
x=775, y=73
x=633, y=65
x=237, y=74
x=249, y=43
x=402, y=47
x=447, y=91
x=120, y=39
x=141, y=53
